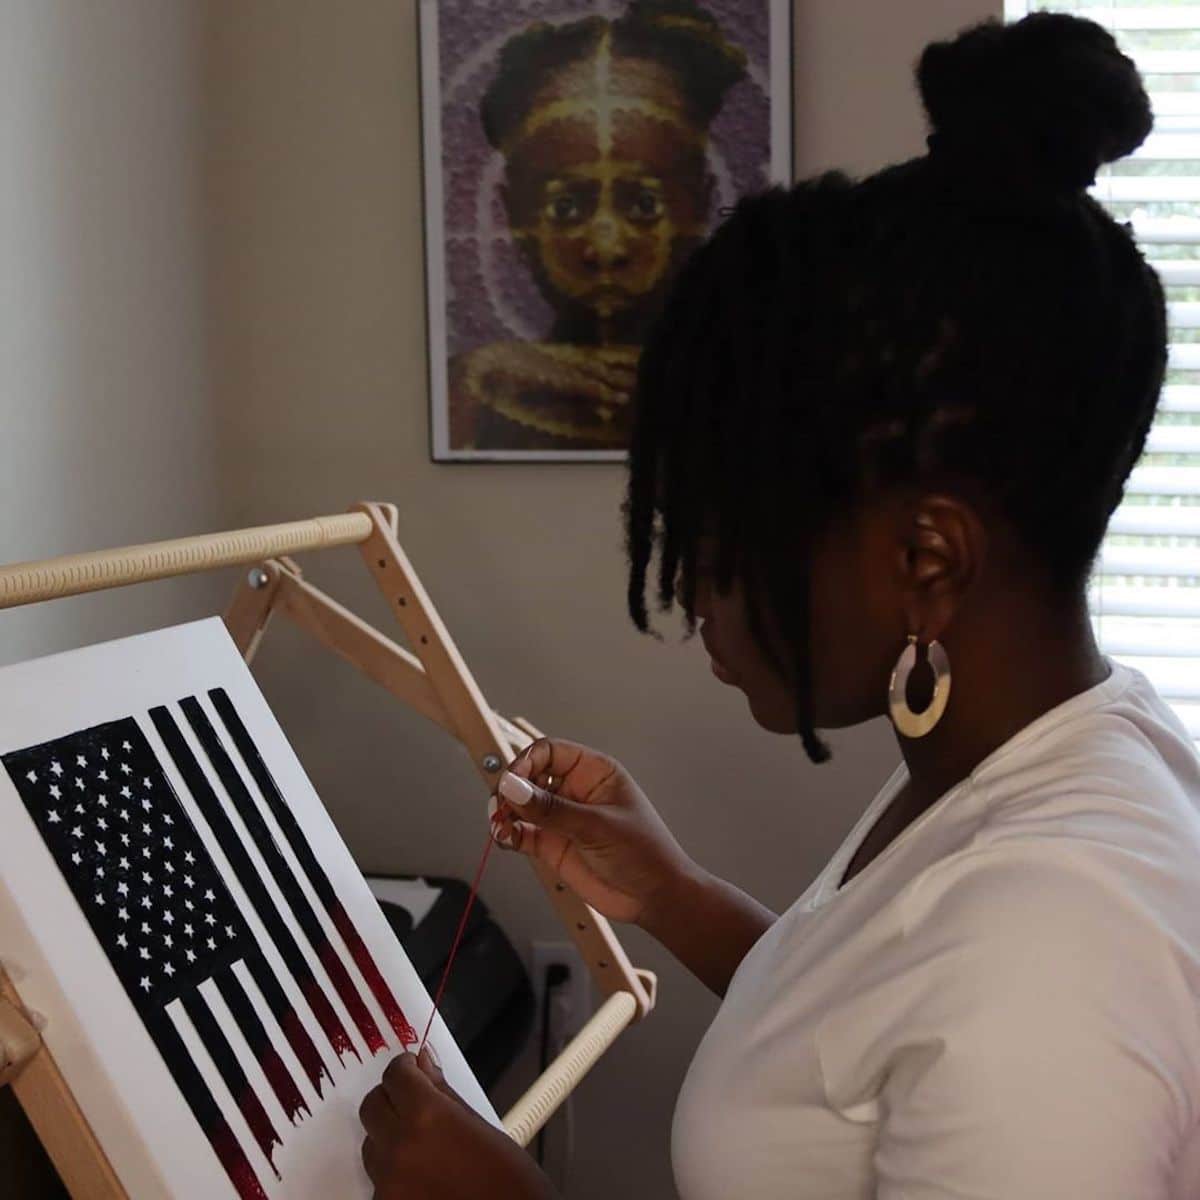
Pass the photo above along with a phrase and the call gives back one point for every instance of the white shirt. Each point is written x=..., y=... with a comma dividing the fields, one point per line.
x=1003, y=1005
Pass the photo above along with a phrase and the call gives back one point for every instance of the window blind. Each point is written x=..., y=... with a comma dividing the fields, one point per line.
x=1145, y=591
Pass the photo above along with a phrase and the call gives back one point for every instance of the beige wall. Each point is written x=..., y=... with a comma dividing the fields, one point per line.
x=108, y=429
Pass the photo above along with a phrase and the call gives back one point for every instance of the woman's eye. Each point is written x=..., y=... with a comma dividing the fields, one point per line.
x=564, y=208
x=647, y=205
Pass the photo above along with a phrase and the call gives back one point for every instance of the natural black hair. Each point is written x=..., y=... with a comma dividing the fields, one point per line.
x=969, y=318
x=677, y=34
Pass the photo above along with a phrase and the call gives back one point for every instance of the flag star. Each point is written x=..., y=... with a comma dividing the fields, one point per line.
x=102, y=801
x=189, y=881
x=146, y=830
x=209, y=919
x=147, y=877
x=101, y=848
x=229, y=931
x=208, y=895
x=145, y=851
x=126, y=769
x=100, y=899
x=122, y=889
x=31, y=776
x=168, y=891
x=145, y=901
x=126, y=747
x=170, y=870
x=54, y=818
x=123, y=913
x=80, y=761
x=124, y=863
x=168, y=919
x=125, y=793
x=167, y=819
x=122, y=941
x=56, y=767
x=144, y=984
x=124, y=839
x=143, y=952
x=99, y=872
x=167, y=941
x=191, y=956
x=168, y=970
x=80, y=809
x=76, y=859
x=104, y=753
x=211, y=944
x=56, y=791
x=188, y=905
x=145, y=926
x=146, y=783
x=102, y=775
x=188, y=929
x=79, y=783
x=146, y=805
x=124, y=814
x=101, y=824
x=170, y=845
x=77, y=832
x=189, y=858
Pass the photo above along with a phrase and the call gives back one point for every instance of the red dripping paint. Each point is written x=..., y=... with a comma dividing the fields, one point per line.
x=237, y=1165
x=329, y=1021
x=305, y=1051
x=371, y=973
x=282, y=1084
x=359, y=1013
x=260, y=1125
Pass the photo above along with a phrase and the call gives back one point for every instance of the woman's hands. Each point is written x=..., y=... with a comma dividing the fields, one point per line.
x=580, y=813
x=424, y=1143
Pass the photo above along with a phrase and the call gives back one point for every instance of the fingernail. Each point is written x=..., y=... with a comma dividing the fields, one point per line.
x=492, y=806
x=500, y=836
x=515, y=789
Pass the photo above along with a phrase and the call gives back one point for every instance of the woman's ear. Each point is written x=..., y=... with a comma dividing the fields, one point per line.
x=942, y=549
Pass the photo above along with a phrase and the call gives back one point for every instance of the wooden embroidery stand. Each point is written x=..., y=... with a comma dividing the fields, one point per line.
x=431, y=678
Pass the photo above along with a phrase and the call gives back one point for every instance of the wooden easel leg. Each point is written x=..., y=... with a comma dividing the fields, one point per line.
x=477, y=727
x=249, y=612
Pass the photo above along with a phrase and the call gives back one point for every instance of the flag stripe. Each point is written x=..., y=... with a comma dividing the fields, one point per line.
x=227, y=838
x=293, y=1028
x=252, y=1029
x=230, y=1070
x=309, y=864
x=244, y=804
x=200, y=1100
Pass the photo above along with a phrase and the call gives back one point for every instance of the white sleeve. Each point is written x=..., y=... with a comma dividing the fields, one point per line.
x=1050, y=1051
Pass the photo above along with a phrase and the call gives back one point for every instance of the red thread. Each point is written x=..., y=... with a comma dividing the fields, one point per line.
x=462, y=924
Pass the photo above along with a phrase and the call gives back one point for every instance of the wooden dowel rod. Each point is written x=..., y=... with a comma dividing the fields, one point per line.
x=560, y=1078
x=51, y=578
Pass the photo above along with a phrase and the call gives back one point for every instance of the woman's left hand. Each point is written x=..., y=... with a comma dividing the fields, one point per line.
x=424, y=1143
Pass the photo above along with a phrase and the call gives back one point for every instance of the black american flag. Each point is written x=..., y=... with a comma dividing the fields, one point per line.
x=160, y=905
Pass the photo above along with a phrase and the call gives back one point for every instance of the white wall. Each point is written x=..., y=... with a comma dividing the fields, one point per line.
x=314, y=168
x=107, y=426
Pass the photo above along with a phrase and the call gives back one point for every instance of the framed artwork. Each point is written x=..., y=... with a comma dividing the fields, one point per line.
x=220, y=987
x=574, y=154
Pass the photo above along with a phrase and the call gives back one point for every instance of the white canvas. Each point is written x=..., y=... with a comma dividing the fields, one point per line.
x=94, y=1031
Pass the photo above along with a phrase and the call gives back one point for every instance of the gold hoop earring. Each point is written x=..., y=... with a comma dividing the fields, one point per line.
x=918, y=724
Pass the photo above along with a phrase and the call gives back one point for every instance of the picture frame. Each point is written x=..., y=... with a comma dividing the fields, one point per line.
x=574, y=153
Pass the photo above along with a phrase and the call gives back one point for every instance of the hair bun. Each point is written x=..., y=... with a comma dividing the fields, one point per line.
x=1048, y=99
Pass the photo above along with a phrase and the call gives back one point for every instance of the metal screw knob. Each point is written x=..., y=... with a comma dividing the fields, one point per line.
x=491, y=762
x=258, y=578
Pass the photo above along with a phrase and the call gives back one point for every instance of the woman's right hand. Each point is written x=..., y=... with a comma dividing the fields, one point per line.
x=580, y=812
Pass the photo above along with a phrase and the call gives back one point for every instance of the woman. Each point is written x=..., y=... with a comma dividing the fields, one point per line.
x=883, y=418
x=603, y=125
